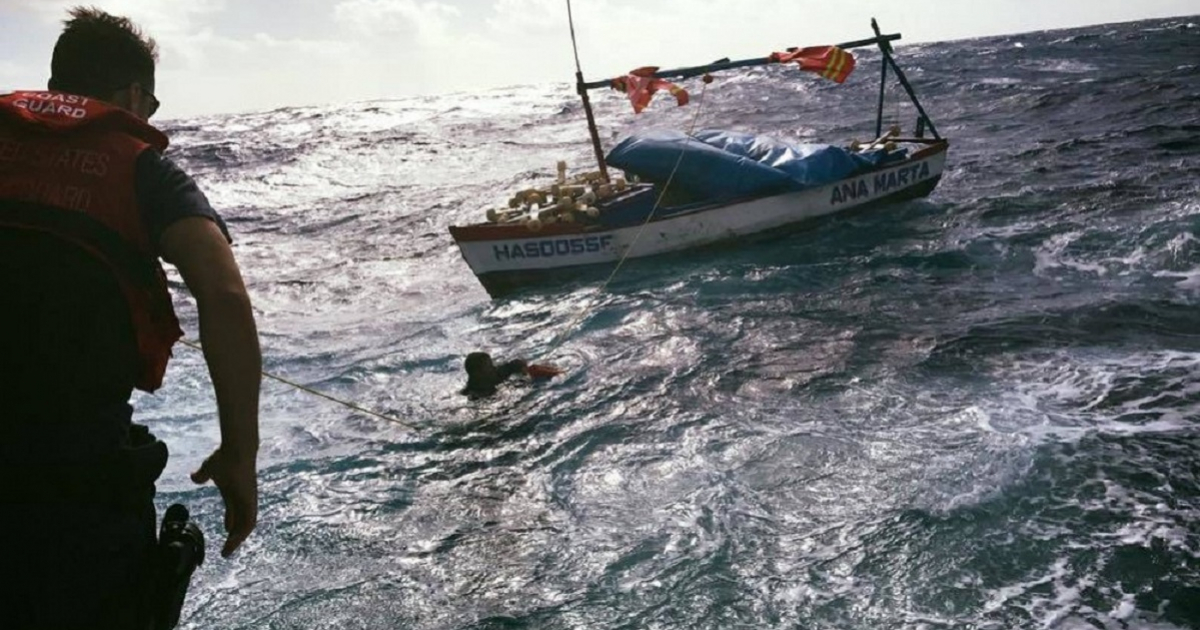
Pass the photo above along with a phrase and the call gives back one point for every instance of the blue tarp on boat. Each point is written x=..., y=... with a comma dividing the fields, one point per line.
x=726, y=164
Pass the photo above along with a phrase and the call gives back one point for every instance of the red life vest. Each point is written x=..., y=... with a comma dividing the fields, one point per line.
x=67, y=167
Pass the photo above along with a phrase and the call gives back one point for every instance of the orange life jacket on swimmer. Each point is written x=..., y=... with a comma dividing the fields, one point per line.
x=67, y=168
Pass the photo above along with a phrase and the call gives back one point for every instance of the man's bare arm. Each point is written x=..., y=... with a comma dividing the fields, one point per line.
x=196, y=246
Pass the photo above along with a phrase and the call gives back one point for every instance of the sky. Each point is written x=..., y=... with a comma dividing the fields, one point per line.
x=219, y=56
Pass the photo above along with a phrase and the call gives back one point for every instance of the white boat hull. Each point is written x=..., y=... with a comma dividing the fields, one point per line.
x=504, y=257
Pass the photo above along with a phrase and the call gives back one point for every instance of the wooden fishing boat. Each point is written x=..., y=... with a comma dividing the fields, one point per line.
x=684, y=191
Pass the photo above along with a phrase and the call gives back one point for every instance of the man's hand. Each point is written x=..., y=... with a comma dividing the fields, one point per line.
x=230, y=338
x=238, y=482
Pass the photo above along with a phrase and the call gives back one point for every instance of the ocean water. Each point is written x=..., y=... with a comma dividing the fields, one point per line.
x=976, y=410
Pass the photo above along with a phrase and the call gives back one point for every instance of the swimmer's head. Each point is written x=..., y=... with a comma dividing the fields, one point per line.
x=479, y=364
x=482, y=376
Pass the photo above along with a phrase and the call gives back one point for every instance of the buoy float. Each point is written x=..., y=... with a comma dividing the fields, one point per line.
x=503, y=216
x=568, y=199
x=540, y=370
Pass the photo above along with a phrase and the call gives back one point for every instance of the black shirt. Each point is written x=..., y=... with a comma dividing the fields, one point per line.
x=167, y=194
x=67, y=350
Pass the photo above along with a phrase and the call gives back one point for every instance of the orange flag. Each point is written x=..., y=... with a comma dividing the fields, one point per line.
x=830, y=62
x=640, y=85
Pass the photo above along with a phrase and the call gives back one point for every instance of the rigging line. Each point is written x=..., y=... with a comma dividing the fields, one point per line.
x=305, y=388
x=625, y=255
x=574, y=45
x=899, y=105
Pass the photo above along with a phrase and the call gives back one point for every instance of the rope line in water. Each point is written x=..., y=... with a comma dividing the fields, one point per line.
x=657, y=202
x=566, y=331
x=319, y=394
x=571, y=325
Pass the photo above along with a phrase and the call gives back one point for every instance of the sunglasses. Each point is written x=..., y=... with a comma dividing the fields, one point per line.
x=154, y=102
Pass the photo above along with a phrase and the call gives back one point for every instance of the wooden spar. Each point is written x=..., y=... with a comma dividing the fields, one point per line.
x=587, y=103
x=693, y=71
x=886, y=49
x=882, y=88
x=591, y=121
x=912, y=95
x=880, y=40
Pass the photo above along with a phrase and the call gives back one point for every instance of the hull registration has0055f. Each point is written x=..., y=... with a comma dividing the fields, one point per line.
x=681, y=191
x=549, y=248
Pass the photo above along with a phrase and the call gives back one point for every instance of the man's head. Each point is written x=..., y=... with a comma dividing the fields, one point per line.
x=480, y=368
x=107, y=58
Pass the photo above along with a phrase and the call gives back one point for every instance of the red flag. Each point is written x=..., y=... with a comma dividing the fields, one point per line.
x=830, y=62
x=640, y=85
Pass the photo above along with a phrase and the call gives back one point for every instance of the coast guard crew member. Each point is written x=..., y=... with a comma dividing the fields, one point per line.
x=88, y=205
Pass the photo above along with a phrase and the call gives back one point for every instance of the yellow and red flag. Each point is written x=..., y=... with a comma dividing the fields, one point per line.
x=830, y=62
x=640, y=85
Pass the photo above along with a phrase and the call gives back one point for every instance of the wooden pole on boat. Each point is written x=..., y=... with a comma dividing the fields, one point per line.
x=886, y=49
x=587, y=103
x=882, y=89
x=591, y=120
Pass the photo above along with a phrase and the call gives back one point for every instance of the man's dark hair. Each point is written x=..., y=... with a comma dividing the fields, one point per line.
x=98, y=54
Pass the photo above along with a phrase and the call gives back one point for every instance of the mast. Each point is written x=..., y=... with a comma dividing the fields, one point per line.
x=882, y=41
x=886, y=49
x=587, y=103
x=882, y=86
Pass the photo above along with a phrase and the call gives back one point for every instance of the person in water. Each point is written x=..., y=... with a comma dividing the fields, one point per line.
x=484, y=376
